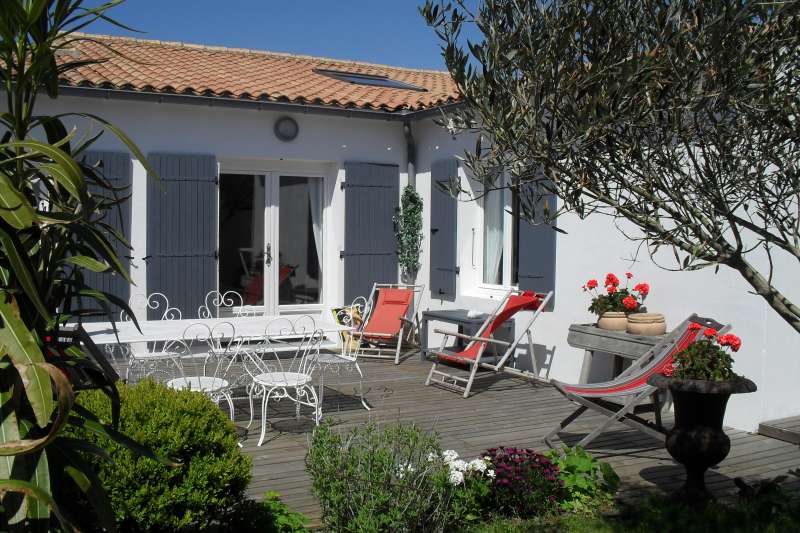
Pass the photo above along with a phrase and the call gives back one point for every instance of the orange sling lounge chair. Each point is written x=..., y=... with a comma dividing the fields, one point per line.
x=387, y=323
x=625, y=397
x=513, y=302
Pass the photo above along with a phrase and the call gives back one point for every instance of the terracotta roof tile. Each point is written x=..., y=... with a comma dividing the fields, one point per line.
x=170, y=67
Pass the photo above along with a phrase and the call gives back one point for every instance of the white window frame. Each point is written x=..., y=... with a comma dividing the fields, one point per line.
x=493, y=289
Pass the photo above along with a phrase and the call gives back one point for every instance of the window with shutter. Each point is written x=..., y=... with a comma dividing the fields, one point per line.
x=117, y=169
x=370, y=249
x=536, y=268
x=443, y=233
x=182, y=229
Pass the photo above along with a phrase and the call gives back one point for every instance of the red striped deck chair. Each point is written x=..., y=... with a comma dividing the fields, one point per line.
x=623, y=398
x=471, y=356
x=389, y=320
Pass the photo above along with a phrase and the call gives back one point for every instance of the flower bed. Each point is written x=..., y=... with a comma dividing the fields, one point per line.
x=399, y=479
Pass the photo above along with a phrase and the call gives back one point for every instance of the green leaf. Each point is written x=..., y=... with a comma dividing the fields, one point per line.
x=22, y=271
x=89, y=263
x=137, y=153
x=18, y=342
x=65, y=169
x=14, y=207
x=31, y=490
x=87, y=480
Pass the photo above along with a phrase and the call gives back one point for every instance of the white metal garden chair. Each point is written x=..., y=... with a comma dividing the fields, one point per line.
x=151, y=359
x=347, y=360
x=207, y=360
x=216, y=300
x=284, y=367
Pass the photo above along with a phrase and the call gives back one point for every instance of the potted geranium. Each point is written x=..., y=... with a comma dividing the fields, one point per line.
x=701, y=379
x=613, y=305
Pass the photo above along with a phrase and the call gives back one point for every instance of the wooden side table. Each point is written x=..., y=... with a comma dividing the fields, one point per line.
x=620, y=344
x=460, y=317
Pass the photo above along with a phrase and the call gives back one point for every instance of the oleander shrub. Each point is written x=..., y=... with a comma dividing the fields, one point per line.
x=526, y=483
x=589, y=485
x=374, y=480
x=186, y=427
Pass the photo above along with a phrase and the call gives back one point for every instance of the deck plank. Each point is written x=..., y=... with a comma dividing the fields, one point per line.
x=785, y=429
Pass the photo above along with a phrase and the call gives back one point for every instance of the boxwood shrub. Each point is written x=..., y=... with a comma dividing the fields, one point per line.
x=186, y=427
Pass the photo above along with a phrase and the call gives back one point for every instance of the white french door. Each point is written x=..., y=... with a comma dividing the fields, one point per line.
x=271, y=239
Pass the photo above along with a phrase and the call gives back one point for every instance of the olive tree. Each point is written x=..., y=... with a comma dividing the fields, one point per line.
x=677, y=118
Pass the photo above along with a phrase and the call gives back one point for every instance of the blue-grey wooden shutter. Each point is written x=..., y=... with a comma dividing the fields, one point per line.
x=370, y=248
x=117, y=169
x=537, y=249
x=182, y=230
x=443, y=259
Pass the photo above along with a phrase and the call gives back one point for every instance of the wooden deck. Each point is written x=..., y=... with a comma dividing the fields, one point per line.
x=503, y=411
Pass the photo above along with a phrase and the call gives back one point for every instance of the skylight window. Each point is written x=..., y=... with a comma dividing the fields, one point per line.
x=368, y=79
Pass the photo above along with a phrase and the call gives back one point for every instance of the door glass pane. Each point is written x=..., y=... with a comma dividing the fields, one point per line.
x=241, y=236
x=300, y=240
x=493, y=237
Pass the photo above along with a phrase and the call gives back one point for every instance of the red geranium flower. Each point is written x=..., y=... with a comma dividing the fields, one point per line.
x=630, y=303
x=611, y=289
x=694, y=326
x=642, y=288
x=730, y=340
x=668, y=370
x=611, y=279
x=628, y=275
x=710, y=332
x=591, y=284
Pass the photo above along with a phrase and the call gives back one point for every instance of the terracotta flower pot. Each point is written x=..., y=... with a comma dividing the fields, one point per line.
x=650, y=324
x=697, y=439
x=613, y=320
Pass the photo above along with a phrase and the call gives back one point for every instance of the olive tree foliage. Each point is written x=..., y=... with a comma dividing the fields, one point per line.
x=679, y=119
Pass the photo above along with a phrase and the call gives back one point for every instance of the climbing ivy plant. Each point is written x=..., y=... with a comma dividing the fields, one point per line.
x=408, y=230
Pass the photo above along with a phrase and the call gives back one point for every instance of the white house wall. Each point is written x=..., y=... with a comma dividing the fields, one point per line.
x=243, y=139
x=591, y=248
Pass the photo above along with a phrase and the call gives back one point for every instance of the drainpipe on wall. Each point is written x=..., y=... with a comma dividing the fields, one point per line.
x=411, y=153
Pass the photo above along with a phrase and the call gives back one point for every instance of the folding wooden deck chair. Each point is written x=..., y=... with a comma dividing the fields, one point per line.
x=390, y=318
x=621, y=399
x=513, y=302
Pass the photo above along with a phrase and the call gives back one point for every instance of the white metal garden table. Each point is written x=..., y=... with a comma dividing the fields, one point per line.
x=247, y=327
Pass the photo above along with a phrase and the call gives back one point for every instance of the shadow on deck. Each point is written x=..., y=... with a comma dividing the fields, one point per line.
x=502, y=411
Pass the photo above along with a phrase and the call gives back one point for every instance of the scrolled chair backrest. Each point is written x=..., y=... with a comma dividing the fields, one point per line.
x=261, y=358
x=155, y=301
x=216, y=299
x=304, y=323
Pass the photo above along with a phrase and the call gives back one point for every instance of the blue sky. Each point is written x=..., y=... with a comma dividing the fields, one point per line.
x=380, y=31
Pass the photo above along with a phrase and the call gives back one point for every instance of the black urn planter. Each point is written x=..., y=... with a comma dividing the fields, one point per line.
x=697, y=439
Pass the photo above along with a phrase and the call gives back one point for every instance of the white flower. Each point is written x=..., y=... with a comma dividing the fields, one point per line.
x=432, y=457
x=403, y=469
x=477, y=465
x=456, y=477
x=449, y=456
x=458, y=465
x=490, y=473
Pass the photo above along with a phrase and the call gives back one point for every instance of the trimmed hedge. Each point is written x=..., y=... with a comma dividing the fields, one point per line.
x=186, y=427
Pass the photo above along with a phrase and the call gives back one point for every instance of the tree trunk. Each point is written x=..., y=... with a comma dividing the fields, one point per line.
x=782, y=305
